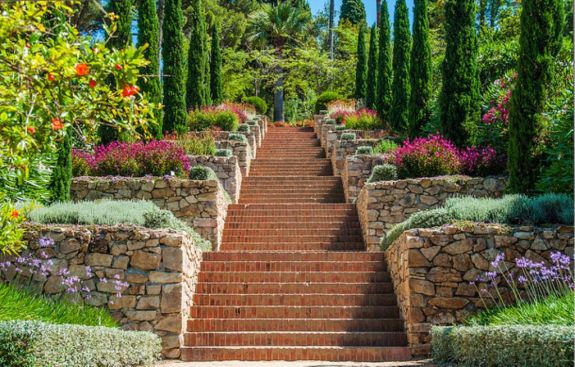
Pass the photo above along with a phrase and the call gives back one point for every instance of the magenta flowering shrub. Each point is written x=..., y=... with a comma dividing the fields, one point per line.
x=363, y=119
x=427, y=157
x=480, y=161
x=156, y=158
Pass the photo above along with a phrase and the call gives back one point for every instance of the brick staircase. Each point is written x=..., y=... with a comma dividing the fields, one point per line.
x=292, y=280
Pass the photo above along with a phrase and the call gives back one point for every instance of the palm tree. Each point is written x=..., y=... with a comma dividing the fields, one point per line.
x=281, y=26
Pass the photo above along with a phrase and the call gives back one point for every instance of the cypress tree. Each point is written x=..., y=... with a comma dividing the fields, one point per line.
x=61, y=179
x=385, y=74
x=371, y=94
x=539, y=43
x=459, y=100
x=353, y=11
x=361, y=66
x=216, y=67
x=175, y=115
x=400, y=88
x=149, y=33
x=197, y=86
x=122, y=37
x=420, y=70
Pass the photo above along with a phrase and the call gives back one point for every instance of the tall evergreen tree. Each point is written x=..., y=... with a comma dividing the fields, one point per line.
x=149, y=33
x=175, y=115
x=61, y=180
x=197, y=87
x=216, y=67
x=539, y=43
x=371, y=93
x=385, y=73
x=459, y=100
x=122, y=37
x=361, y=66
x=420, y=70
x=353, y=11
x=398, y=115
x=330, y=36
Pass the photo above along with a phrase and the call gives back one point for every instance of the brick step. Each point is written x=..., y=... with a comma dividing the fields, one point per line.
x=322, y=173
x=318, y=233
x=267, y=161
x=312, y=196
x=291, y=192
x=295, y=312
x=287, y=170
x=306, y=353
x=266, y=237
x=294, y=246
x=300, y=155
x=292, y=266
x=302, y=179
x=293, y=277
x=294, y=338
x=259, y=200
x=251, y=224
x=294, y=300
x=283, y=324
x=293, y=256
x=294, y=208
x=263, y=188
x=294, y=288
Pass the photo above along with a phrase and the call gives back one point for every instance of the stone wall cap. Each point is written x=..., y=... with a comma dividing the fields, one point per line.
x=66, y=228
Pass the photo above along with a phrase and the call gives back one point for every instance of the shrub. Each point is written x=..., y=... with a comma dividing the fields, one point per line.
x=385, y=146
x=366, y=150
x=11, y=231
x=340, y=128
x=502, y=346
x=384, y=172
x=195, y=143
x=241, y=110
x=329, y=122
x=347, y=105
x=323, y=100
x=348, y=136
x=202, y=173
x=224, y=153
x=426, y=157
x=364, y=119
x=37, y=344
x=244, y=128
x=259, y=103
x=424, y=219
x=480, y=161
x=252, y=122
x=339, y=116
x=80, y=165
x=211, y=117
x=237, y=137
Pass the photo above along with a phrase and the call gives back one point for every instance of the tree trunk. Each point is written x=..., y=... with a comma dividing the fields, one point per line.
x=330, y=26
x=279, y=100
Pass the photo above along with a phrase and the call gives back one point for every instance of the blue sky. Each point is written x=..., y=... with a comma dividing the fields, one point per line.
x=317, y=5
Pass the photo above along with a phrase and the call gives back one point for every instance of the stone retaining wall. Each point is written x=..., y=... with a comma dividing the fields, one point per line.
x=381, y=205
x=241, y=150
x=256, y=130
x=200, y=204
x=343, y=148
x=356, y=171
x=432, y=269
x=227, y=170
x=159, y=266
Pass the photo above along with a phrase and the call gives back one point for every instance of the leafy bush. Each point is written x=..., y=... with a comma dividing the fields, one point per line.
x=11, y=230
x=384, y=172
x=195, y=143
x=385, y=146
x=503, y=346
x=259, y=103
x=348, y=136
x=210, y=117
x=367, y=150
x=329, y=122
x=427, y=157
x=202, y=173
x=37, y=344
x=224, y=153
x=364, y=119
x=424, y=219
x=237, y=137
x=340, y=128
x=323, y=100
x=252, y=122
x=244, y=128
x=339, y=116
x=156, y=158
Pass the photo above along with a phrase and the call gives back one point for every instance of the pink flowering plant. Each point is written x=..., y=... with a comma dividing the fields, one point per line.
x=155, y=158
x=340, y=115
x=363, y=119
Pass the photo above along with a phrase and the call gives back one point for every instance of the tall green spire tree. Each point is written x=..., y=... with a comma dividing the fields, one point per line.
x=149, y=33
x=399, y=112
x=197, y=87
x=542, y=22
x=216, y=67
x=122, y=37
x=361, y=66
x=385, y=73
x=61, y=179
x=175, y=115
x=352, y=11
x=420, y=70
x=459, y=99
x=371, y=93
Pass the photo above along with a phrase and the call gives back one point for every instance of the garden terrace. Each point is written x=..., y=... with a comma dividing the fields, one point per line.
x=344, y=148
x=226, y=169
x=356, y=171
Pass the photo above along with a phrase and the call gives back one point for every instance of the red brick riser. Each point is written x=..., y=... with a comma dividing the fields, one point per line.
x=292, y=280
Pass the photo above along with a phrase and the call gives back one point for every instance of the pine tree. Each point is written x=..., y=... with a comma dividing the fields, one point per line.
x=361, y=66
x=149, y=33
x=175, y=115
x=122, y=37
x=398, y=115
x=352, y=11
x=216, y=67
x=371, y=93
x=61, y=180
x=385, y=73
x=420, y=70
x=542, y=22
x=459, y=100
x=197, y=87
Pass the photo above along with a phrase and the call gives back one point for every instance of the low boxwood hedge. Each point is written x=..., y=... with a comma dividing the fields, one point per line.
x=504, y=346
x=37, y=344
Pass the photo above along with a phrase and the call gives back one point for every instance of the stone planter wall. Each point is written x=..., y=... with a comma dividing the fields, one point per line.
x=241, y=150
x=431, y=270
x=381, y=205
x=227, y=170
x=256, y=130
x=201, y=204
x=356, y=171
x=343, y=148
x=160, y=267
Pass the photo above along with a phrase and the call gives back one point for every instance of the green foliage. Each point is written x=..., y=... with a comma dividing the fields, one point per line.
x=341, y=128
x=20, y=304
x=197, y=144
x=361, y=66
x=365, y=150
x=122, y=36
x=324, y=99
x=385, y=146
x=363, y=120
x=502, y=346
x=11, y=230
x=383, y=172
x=205, y=119
x=37, y=344
x=459, y=99
x=202, y=173
x=348, y=136
x=175, y=115
x=259, y=103
x=420, y=71
x=400, y=90
x=385, y=73
x=224, y=153
x=424, y=219
x=539, y=43
x=244, y=128
x=352, y=11
x=197, y=86
x=237, y=137
x=36, y=186
x=371, y=93
x=62, y=172
x=216, y=86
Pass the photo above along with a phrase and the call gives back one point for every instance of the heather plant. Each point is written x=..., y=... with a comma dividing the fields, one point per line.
x=243, y=111
x=213, y=117
x=427, y=157
x=364, y=119
x=481, y=161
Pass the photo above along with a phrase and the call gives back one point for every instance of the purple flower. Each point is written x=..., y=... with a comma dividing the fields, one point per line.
x=44, y=242
x=559, y=258
x=522, y=279
x=498, y=259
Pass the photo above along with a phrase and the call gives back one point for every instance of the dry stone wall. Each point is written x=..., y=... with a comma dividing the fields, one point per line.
x=227, y=170
x=241, y=150
x=381, y=205
x=432, y=269
x=344, y=148
x=356, y=171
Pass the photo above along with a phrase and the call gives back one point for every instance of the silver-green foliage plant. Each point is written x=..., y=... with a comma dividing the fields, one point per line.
x=244, y=128
x=365, y=150
x=425, y=219
x=202, y=173
x=383, y=172
x=237, y=137
x=341, y=128
x=348, y=136
x=223, y=153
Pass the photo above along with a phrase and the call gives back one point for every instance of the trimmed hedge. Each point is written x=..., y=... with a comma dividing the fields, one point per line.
x=37, y=344
x=504, y=346
x=324, y=99
x=259, y=103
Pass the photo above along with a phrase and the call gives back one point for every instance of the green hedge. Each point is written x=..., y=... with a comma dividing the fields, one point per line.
x=324, y=99
x=504, y=346
x=37, y=344
x=259, y=103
